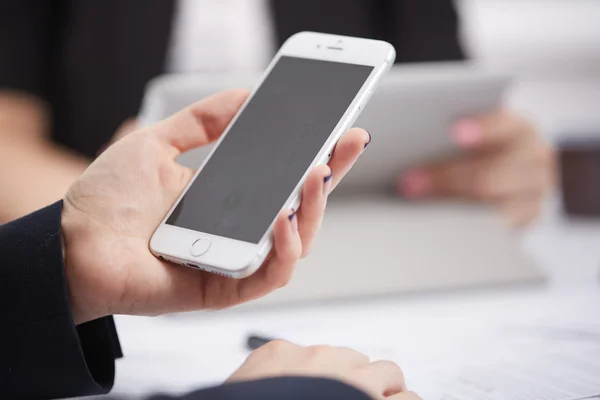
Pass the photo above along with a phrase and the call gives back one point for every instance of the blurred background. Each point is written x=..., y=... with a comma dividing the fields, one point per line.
x=553, y=47
x=533, y=37
x=442, y=309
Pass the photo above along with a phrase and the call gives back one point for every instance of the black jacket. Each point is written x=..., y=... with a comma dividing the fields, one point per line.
x=44, y=355
x=90, y=59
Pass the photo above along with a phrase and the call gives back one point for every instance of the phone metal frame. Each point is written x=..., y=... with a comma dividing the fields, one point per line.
x=239, y=259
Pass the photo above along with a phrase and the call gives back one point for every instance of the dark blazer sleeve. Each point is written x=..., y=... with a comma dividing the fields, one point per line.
x=289, y=388
x=42, y=353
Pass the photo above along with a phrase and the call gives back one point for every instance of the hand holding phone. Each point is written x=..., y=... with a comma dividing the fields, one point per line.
x=111, y=211
x=313, y=91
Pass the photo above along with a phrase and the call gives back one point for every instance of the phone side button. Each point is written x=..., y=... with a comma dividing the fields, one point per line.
x=200, y=247
x=365, y=100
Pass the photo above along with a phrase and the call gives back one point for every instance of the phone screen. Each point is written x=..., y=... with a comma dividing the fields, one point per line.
x=253, y=171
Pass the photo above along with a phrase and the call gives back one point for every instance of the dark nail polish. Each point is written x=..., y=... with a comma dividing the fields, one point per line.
x=292, y=215
x=293, y=221
x=327, y=181
x=366, y=144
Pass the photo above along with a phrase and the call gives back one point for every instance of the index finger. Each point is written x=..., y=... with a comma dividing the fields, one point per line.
x=387, y=376
x=346, y=152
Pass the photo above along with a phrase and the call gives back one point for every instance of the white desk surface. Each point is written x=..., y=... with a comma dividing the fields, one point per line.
x=181, y=353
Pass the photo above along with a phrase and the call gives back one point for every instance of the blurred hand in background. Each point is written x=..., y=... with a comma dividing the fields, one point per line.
x=34, y=170
x=505, y=162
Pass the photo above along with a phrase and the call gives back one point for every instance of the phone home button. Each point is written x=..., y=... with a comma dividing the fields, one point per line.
x=200, y=247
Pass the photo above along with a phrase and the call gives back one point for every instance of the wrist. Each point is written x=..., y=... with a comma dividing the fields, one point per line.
x=73, y=236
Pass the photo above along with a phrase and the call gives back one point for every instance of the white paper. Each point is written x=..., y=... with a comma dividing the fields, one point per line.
x=546, y=350
x=567, y=374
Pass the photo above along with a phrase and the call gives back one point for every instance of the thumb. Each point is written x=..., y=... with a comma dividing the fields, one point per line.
x=202, y=122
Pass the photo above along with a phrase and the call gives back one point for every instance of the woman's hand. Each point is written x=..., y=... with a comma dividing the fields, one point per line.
x=379, y=379
x=112, y=210
x=506, y=163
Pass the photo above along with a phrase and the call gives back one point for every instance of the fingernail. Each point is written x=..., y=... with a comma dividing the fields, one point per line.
x=369, y=141
x=327, y=184
x=467, y=133
x=414, y=184
x=294, y=221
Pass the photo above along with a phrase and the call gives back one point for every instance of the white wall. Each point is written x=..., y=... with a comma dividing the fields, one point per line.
x=534, y=36
x=553, y=48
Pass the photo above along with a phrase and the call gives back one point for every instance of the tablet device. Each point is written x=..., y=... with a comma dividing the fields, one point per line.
x=409, y=116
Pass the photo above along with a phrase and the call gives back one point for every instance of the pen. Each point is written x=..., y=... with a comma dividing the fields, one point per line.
x=253, y=342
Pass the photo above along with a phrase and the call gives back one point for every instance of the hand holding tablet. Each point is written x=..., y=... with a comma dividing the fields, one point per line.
x=506, y=163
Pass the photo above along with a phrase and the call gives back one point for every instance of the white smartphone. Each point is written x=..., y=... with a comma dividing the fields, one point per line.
x=311, y=93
